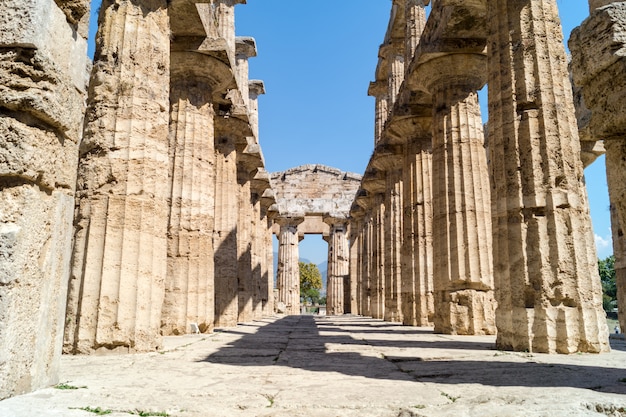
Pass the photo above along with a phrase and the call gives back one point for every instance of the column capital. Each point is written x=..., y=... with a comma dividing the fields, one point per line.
x=288, y=221
x=256, y=87
x=245, y=46
x=468, y=70
x=388, y=157
x=378, y=88
x=335, y=220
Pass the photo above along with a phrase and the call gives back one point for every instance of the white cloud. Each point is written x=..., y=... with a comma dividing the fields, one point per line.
x=602, y=242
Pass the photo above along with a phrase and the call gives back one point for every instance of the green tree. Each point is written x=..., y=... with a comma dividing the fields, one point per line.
x=606, y=268
x=310, y=282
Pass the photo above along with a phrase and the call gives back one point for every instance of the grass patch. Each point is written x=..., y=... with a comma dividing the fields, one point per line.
x=148, y=413
x=270, y=398
x=98, y=411
x=450, y=397
x=419, y=406
x=66, y=386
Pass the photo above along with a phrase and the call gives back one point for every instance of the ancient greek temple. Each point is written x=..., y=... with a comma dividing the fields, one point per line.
x=135, y=201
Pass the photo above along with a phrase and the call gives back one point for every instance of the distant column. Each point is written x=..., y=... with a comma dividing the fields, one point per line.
x=619, y=251
x=338, y=265
x=288, y=275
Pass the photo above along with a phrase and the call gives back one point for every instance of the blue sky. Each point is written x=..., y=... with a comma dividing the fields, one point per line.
x=317, y=59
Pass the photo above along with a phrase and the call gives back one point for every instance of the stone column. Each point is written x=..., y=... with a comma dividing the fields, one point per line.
x=377, y=277
x=267, y=262
x=245, y=289
x=225, y=239
x=380, y=91
x=120, y=250
x=375, y=184
x=288, y=274
x=415, y=12
x=43, y=74
x=245, y=49
x=388, y=159
x=417, y=247
x=338, y=265
x=355, y=228
x=619, y=251
x=189, y=289
x=394, y=55
x=462, y=259
x=549, y=295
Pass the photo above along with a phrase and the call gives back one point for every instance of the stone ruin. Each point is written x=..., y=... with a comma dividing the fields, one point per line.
x=314, y=199
x=135, y=202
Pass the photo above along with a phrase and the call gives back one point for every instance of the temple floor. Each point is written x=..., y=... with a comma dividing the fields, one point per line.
x=318, y=366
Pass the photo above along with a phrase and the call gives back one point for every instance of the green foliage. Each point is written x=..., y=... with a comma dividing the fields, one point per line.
x=606, y=268
x=66, y=386
x=98, y=411
x=310, y=282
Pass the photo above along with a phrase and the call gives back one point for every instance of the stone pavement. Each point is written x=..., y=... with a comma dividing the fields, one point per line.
x=333, y=367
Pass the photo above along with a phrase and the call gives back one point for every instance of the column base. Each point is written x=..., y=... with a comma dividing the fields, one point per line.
x=552, y=329
x=465, y=312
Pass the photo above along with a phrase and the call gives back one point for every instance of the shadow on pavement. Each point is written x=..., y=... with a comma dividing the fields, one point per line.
x=356, y=348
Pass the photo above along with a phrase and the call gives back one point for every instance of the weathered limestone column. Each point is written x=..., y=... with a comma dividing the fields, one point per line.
x=189, y=289
x=355, y=228
x=462, y=259
x=120, y=251
x=388, y=159
x=267, y=262
x=415, y=12
x=417, y=245
x=364, y=252
x=377, y=277
x=619, y=251
x=245, y=290
x=338, y=265
x=394, y=54
x=380, y=91
x=375, y=184
x=43, y=77
x=225, y=239
x=259, y=184
x=598, y=67
x=288, y=274
x=549, y=295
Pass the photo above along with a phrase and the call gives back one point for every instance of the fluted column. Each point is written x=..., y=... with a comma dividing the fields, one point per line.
x=288, y=274
x=462, y=259
x=388, y=159
x=415, y=12
x=394, y=54
x=338, y=265
x=619, y=251
x=245, y=289
x=377, y=272
x=267, y=269
x=380, y=92
x=549, y=295
x=189, y=289
x=225, y=239
x=367, y=261
x=43, y=71
x=120, y=251
x=417, y=245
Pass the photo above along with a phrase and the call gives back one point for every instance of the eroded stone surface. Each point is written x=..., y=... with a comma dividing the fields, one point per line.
x=43, y=69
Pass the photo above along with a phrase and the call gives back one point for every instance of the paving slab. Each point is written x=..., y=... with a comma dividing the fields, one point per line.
x=341, y=366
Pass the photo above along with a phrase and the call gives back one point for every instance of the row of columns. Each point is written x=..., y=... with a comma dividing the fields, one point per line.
x=173, y=199
x=514, y=233
x=288, y=273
